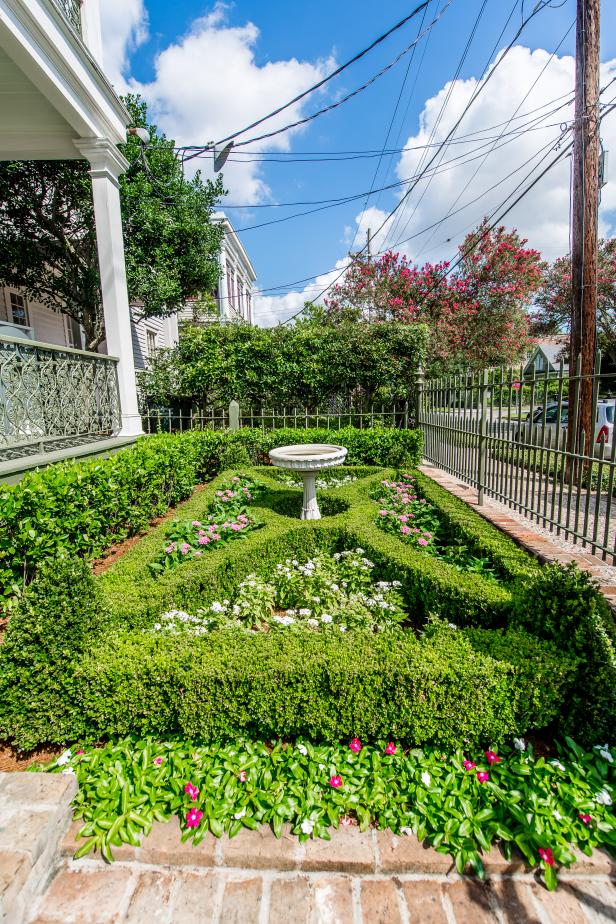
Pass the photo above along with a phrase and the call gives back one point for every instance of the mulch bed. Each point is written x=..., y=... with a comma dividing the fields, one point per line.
x=12, y=761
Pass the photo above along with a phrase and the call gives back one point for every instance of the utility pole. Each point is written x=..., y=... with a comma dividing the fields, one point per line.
x=369, y=244
x=585, y=217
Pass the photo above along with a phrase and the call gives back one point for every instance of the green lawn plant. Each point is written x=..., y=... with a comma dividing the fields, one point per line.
x=459, y=801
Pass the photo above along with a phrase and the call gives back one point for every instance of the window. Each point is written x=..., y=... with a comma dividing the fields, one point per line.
x=19, y=309
x=150, y=341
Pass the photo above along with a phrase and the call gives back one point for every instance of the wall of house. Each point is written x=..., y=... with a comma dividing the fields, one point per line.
x=152, y=334
x=46, y=325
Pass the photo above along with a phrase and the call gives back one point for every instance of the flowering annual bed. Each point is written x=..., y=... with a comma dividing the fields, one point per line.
x=228, y=518
x=323, y=593
x=460, y=802
x=412, y=519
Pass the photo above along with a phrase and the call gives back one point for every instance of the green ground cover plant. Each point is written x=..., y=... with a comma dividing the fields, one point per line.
x=461, y=801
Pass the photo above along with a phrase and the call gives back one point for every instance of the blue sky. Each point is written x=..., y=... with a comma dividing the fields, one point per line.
x=206, y=69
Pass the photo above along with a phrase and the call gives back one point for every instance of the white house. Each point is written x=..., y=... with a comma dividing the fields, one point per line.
x=58, y=105
x=22, y=317
x=546, y=355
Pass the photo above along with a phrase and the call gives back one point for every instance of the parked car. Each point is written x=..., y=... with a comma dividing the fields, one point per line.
x=604, y=425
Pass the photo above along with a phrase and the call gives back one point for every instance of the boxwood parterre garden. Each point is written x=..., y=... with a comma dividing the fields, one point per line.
x=385, y=665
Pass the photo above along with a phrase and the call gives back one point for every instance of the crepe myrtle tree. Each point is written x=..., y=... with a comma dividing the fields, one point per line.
x=553, y=302
x=48, y=234
x=476, y=312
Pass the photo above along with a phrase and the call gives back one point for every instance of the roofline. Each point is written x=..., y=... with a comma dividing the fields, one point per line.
x=223, y=219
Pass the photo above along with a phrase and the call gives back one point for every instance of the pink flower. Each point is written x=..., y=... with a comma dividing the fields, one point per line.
x=469, y=765
x=196, y=523
x=191, y=791
x=355, y=745
x=185, y=548
x=391, y=748
x=483, y=776
x=157, y=761
x=422, y=541
x=492, y=758
x=215, y=536
x=80, y=751
x=242, y=776
x=236, y=527
x=170, y=548
x=346, y=821
x=193, y=818
x=382, y=513
x=405, y=530
x=203, y=540
x=403, y=518
x=335, y=782
x=586, y=819
x=547, y=856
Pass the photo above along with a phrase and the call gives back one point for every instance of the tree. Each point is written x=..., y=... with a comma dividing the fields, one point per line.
x=307, y=364
x=476, y=313
x=48, y=237
x=553, y=302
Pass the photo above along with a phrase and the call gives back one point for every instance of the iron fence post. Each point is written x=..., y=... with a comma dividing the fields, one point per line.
x=419, y=387
x=481, y=461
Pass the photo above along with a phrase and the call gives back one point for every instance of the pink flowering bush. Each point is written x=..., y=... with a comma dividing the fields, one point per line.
x=459, y=805
x=409, y=517
x=228, y=518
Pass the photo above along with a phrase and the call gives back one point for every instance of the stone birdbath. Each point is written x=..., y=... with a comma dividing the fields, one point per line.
x=307, y=460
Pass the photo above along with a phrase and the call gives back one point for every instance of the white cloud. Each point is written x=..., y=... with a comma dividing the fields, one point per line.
x=124, y=26
x=270, y=310
x=208, y=84
x=542, y=216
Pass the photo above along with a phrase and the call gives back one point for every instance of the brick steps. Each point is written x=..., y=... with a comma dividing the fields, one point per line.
x=35, y=812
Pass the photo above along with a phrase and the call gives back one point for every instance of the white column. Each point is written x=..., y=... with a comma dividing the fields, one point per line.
x=223, y=288
x=106, y=165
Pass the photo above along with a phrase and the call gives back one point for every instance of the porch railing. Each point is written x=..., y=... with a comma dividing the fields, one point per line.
x=54, y=397
x=72, y=12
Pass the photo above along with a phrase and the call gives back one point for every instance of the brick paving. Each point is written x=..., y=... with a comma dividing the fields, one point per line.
x=356, y=878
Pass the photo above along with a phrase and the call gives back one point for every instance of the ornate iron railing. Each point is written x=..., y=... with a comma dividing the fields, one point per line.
x=53, y=397
x=72, y=12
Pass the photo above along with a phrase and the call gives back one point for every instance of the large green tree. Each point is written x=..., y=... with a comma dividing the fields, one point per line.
x=48, y=235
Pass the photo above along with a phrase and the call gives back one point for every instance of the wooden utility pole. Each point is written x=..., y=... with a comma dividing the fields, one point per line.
x=585, y=216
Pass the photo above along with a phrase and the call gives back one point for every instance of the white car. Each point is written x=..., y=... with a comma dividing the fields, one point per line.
x=604, y=425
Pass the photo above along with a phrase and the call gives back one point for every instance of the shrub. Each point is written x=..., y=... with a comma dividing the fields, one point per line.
x=563, y=604
x=82, y=508
x=445, y=689
x=58, y=618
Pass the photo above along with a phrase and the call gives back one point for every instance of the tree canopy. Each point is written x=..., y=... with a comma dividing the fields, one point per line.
x=476, y=312
x=48, y=235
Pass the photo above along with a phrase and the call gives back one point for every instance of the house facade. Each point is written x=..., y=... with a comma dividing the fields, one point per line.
x=58, y=105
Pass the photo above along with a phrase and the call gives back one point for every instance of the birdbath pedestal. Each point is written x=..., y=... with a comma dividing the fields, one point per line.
x=307, y=461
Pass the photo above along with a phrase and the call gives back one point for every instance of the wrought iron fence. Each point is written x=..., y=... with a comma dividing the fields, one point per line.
x=300, y=418
x=72, y=12
x=506, y=434
x=52, y=397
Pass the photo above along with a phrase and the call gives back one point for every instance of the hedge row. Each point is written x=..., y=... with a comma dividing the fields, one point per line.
x=82, y=508
x=68, y=674
x=431, y=585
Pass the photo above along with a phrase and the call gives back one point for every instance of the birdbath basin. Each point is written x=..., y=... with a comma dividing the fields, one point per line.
x=307, y=460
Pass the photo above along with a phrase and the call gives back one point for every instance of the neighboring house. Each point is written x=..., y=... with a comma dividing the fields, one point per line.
x=152, y=334
x=58, y=105
x=546, y=355
x=235, y=290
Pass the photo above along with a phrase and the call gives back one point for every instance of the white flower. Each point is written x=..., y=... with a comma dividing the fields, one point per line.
x=426, y=778
x=69, y=771
x=284, y=620
x=64, y=758
x=519, y=744
x=313, y=623
x=295, y=562
x=305, y=612
x=604, y=751
x=452, y=626
x=157, y=626
x=335, y=587
x=603, y=798
x=236, y=610
x=408, y=831
x=558, y=765
x=316, y=599
x=397, y=583
x=217, y=608
x=321, y=766
x=326, y=618
x=307, y=826
x=302, y=749
x=360, y=551
x=556, y=814
x=239, y=815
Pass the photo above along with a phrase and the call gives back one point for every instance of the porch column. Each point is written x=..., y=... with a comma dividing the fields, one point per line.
x=106, y=165
x=223, y=287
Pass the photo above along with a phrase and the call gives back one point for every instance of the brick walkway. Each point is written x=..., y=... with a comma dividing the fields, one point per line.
x=371, y=878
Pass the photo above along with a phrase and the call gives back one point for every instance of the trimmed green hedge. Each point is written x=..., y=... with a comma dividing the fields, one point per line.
x=68, y=674
x=82, y=508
